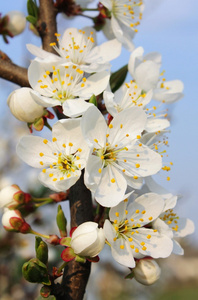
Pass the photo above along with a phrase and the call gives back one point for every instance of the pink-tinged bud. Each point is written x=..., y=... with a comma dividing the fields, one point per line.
x=7, y=194
x=23, y=106
x=12, y=197
x=16, y=22
x=12, y=220
x=88, y=240
x=147, y=271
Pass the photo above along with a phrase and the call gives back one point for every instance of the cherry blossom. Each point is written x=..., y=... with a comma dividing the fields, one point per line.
x=61, y=160
x=116, y=158
x=126, y=232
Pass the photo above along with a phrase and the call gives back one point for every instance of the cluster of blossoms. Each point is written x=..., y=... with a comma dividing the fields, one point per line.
x=117, y=149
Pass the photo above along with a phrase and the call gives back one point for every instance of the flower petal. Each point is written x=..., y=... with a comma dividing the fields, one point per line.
x=111, y=188
x=94, y=127
x=127, y=125
x=34, y=150
x=75, y=107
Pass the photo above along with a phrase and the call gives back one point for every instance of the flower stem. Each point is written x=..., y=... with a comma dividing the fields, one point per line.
x=62, y=266
x=39, y=234
x=89, y=9
x=41, y=199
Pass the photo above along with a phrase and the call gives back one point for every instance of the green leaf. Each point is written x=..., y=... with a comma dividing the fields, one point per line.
x=31, y=19
x=117, y=78
x=32, y=8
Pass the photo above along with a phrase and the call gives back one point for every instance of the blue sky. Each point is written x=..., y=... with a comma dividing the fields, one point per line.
x=171, y=29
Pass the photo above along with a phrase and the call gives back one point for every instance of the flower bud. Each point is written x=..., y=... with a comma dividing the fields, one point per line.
x=23, y=107
x=41, y=250
x=16, y=22
x=36, y=271
x=12, y=220
x=147, y=271
x=88, y=240
x=61, y=222
x=7, y=194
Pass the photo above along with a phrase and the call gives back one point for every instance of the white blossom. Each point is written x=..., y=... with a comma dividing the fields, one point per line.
x=169, y=222
x=61, y=160
x=66, y=86
x=145, y=70
x=127, y=234
x=116, y=157
x=78, y=48
x=168, y=91
x=125, y=17
x=130, y=95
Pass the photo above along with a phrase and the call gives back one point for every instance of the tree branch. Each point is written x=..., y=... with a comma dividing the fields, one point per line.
x=46, y=25
x=12, y=72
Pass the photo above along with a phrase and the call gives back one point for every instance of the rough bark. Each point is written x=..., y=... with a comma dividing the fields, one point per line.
x=12, y=72
x=47, y=24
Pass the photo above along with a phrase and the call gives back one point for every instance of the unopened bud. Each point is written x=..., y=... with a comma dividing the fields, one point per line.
x=45, y=291
x=41, y=250
x=36, y=271
x=12, y=197
x=12, y=220
x=147, y=271
x=16, y=22
x=61, y=222
x=6, y=195
x=88, y=240
x=23, y=106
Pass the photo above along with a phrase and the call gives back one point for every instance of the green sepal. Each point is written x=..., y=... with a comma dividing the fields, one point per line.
x=66, y=241
x=19, y=197
x=31, y=19
x=68, y=254
x=117, y=78
x=16, y=223
x=93, y=100
x=45, y=291
x=61, y=222
x=38, y=124
x=130, y=275
x=41, y=250
x=80, y=259
x=36, y=271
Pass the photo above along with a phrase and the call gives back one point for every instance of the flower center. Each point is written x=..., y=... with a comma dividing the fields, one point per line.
x=170, y=218
x=75, y=51
x=62, y=82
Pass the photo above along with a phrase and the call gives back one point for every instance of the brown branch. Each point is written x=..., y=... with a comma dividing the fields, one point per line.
x=46, y=24
x=12, y=72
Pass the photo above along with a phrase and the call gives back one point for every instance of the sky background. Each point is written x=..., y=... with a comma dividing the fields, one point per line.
x=171, y=28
